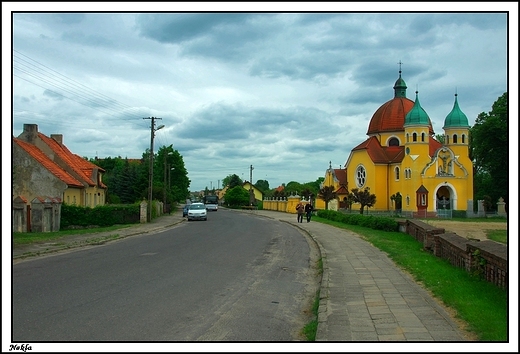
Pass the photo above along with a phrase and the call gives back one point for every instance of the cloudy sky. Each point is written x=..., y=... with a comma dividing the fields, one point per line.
x=286, y=93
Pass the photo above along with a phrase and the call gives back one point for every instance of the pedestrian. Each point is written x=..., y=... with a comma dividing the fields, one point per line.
x=300, y=209
x=308, y=211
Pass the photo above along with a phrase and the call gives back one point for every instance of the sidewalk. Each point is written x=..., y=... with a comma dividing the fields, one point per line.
x=363, y=296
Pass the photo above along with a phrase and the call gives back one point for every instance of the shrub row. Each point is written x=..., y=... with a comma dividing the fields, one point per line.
x=370, y=221
x=101, y=215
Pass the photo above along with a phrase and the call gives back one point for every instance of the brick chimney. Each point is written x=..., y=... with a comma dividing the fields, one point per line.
x=30, y=133
x=58, y=138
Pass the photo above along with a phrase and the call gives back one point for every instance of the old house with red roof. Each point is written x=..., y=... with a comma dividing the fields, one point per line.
x=44, y=167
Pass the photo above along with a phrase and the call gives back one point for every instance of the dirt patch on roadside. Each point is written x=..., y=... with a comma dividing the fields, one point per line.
x=476, y=230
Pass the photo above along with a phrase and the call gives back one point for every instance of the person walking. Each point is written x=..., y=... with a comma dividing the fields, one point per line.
x=300, y=209
x=308, y=211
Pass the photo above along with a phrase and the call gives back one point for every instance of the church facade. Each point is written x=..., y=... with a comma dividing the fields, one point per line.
x=404, y=166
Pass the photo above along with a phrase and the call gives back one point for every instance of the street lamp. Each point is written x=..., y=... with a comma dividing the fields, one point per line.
x=150, y=173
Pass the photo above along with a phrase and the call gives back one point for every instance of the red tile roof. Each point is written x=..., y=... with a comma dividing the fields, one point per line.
x=379, y=154
x=82, y=167
x=50, y=165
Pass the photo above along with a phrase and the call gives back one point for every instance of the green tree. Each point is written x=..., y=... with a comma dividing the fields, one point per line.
x=293, y=188
x=231, y=181
x=263, y=185
x=237, y=196
x=327, y=194
x=363, y=197
x=439, y=138
x=489, y=150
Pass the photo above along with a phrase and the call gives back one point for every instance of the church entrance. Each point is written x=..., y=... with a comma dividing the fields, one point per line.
x=444, y=207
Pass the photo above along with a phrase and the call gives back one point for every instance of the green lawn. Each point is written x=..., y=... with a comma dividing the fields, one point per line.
x=480, y=304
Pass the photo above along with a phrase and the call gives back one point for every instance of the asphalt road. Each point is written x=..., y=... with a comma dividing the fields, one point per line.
x=234, y=277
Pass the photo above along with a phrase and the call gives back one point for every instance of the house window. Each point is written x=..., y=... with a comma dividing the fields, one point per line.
x=361, y=175
x=74, y=200
x=454, y=138
x=397, y=173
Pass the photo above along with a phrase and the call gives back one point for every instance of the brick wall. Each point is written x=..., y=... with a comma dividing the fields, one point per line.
x=488, y=258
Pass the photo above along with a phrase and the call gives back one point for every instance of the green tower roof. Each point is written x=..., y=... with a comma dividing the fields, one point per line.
x=456, y=118
x=400, y=87
x=417, y=114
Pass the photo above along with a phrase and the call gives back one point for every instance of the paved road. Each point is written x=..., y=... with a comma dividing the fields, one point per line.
x=364, y=296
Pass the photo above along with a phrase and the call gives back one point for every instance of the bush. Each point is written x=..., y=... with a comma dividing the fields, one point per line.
x=369, y=221
x=101, y=215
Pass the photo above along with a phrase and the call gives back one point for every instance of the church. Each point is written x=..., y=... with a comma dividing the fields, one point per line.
x=404, y=166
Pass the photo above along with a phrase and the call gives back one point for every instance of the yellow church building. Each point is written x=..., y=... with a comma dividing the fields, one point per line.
x=404, y=166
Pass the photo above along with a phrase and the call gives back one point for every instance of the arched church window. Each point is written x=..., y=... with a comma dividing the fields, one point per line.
x=393, y=142
x=361, y=175
x=463, y=138
x=397, y=173
x=414, y=137
x=407, y=137
x=447, y=139
x=454, y=138
x=422, y=137
x=408, y=200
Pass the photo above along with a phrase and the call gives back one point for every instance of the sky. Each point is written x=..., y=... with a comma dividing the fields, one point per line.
x=284, y=93
x=285, y=88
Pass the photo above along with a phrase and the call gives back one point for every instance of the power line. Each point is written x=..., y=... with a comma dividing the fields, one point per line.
x=42, y=76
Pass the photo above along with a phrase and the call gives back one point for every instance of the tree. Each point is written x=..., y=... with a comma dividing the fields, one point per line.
x=231, y=181
x=489, y=151
x=262, y=185
x=397, y=198
x=237, y=196
x=363, y=197
x=327, y=194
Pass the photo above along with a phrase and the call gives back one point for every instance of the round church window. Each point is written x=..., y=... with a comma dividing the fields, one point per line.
x=361, y=175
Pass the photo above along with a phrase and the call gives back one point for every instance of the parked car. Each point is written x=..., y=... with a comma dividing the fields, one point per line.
x=185, y=210
x=197, y=211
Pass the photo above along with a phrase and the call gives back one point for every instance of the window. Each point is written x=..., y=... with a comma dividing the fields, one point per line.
x=361, y=175
x=447, y=139
x=422, y=137
x=463, y=137
x=454, y=138
x=393, y=142
x=414, y=137
x=397, y=173
x=407, y=137
x=408, y=200
x=423, y=199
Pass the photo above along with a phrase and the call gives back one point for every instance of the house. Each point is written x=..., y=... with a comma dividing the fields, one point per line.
x=258, y=194
x=44, y=166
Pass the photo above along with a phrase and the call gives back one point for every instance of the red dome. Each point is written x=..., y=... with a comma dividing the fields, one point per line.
x=390, y=116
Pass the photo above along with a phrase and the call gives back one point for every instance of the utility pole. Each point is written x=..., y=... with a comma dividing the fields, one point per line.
x=150, y=172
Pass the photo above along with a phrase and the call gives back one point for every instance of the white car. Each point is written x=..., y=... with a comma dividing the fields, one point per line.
x=197, y=211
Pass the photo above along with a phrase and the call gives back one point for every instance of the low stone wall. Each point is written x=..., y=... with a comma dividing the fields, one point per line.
x=487, y=258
